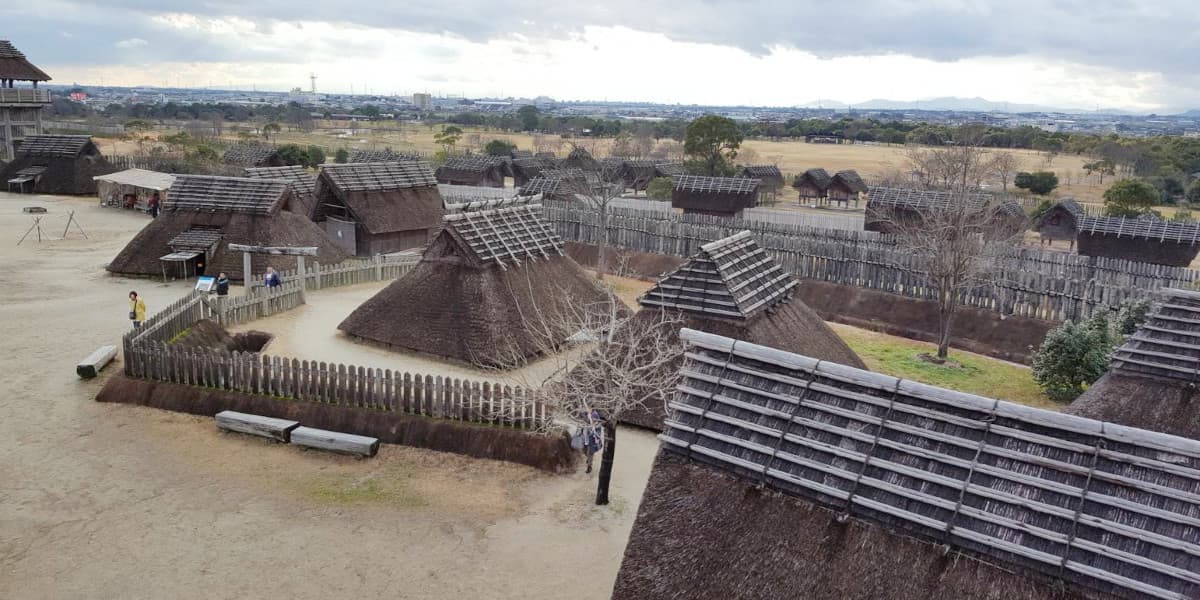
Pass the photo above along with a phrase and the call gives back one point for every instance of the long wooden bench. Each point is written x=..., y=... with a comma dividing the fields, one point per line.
x=268, y=427
x=90, y=366
x=333, y=441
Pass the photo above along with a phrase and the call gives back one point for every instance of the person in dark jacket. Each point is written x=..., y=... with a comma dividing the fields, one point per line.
x=154, y=204
x=222, y=285
x=271, y=278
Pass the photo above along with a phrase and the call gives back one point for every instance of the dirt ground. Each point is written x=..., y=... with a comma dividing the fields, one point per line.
x=111, y=501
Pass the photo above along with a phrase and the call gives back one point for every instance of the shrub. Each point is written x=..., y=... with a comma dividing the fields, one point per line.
x=1129, y=198
x=1040, y=182
x=316, y=156
x=499, y=148
x=660, y=188
x=342, y=156
x=1072, y=356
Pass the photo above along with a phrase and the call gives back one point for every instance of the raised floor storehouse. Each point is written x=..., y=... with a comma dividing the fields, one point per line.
x=721, y=196
x=56, y=164
x=1143, y=240
x=812, y=184
x=1060, y=222
x=783, y=476
x=204, y=214
x=480, y=291
x=378, y=208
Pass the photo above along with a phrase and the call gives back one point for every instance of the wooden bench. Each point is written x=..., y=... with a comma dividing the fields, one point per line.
x=268, y=427
x=90, y=366
x=333, y=441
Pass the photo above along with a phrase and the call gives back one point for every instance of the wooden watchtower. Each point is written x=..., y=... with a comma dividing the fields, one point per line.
x=20, y=106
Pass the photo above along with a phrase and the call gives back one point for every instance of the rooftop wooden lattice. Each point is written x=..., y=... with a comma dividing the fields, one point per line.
x=475, y=205
x=762, y=171
x=208, y=193
x=248, y=154
x=916, y=199
x=474, y=163
x=365, y=156
x=54, y=146
x=1161, y=231
x=570, y=174
x=300, y=179
x=730, y=278
x=358, y=177
x=505, y=234
x=196, y=238
x=1098, y=505
x=719, y=185
x=542, y=185
x=668, y=169
x=472, y=193
x=1167, y=345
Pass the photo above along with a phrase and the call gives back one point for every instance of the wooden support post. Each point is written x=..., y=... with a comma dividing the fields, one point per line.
x=303, y=277
x=247, y=274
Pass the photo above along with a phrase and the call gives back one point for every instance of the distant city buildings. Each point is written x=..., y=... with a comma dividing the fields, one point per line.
x=422, y=101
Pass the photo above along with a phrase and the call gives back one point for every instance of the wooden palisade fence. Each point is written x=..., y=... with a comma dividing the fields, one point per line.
x=350, y=272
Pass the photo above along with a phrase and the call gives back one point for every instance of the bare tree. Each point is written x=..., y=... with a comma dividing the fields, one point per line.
x=958, y=168
x=1004, y=166
x=953, y=246
x=596, y=191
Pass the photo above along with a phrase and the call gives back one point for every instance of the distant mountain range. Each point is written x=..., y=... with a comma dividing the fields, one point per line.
x=955, y=104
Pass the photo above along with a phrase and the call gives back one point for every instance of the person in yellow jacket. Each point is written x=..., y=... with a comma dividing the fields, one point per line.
x=137, y=310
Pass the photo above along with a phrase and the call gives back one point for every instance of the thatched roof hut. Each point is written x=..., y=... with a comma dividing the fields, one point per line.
x=783, y=476
x=770, y=178
x=477, y=288
x=732, y=287
x=15, y=67
x=302, y=182
x=580, y=158
x=525, y=169
x=723, y=196
x=1061, y=222
x=385, y=155
x=846, y=186
x=378, y=208
x=56, y=164
x=477, y=170
x=889, y=208
x=1152, y=379
x=204, y=214
x=252, y=155
x=812, y=184
x=1151, y=241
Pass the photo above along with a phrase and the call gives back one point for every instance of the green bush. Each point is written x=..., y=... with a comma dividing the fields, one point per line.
x=1129, y=198
x=316, y=156
x=660, y=188
x=1040, y=182
x=1075, y=355
x=499, y=148
x=342, y=156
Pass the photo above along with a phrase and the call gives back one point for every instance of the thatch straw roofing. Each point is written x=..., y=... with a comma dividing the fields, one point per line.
x=515, y=154
x=818, y=178
x=668, y=169
x=543, y=185
x=361, y=177
x=383, y=197
x=919, y=199
x=476, y=205
x=851, y=180
x=55, y=146
x=732, y=277
x=210, y=193
x=720, y=185
x=370, y=156
x=60, y=164
x=302, y=182
x=762, y=171
x=14, y=65
x=196, y=238
x=1103, y=508
x=473, y=170
x=714, y=195
x=1151, y=382
x=252, y=155
x=580, y=158
x=545, y=155
x=1160, y=231
x=570, y=174
x=477, y=288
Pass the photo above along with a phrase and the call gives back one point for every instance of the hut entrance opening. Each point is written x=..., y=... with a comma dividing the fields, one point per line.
x=25, y=180
x=191, y=251
x=343, y=233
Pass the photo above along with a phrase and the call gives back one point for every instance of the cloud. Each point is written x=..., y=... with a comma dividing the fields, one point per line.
x=131, y=43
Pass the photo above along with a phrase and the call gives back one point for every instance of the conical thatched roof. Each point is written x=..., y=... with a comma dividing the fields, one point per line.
x=478, y=290
x=733, y=288
x=1151, y=381
x=783, y=476
x=14, y=65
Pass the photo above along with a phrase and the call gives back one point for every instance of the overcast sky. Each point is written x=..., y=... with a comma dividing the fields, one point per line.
x=1068, y=53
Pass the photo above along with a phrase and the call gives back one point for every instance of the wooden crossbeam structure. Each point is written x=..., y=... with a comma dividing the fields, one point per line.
x=508, y=234
x=1149, y=229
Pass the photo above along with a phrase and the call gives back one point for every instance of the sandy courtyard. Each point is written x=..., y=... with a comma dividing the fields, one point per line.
x=110, y=501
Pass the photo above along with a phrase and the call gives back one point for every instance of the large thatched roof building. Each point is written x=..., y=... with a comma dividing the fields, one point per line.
x=1152, y=241
x=378, y=208
x=812, y=184
x=722, y=196
x=732, y=287
x=20, y=106
x=479, y=289
x=1152, y=380
x=56, y=164
x=204, y=214
x=252, y=155
x=477, y=170
x=303, y=183
x=783, y=476
x=1060, y=222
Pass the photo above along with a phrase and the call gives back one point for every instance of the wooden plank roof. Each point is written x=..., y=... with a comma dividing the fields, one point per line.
x=502, y=235
x=730, y=278
x=210, y=193
x=1154, y=230
x=358, y=177
x=54, y=146
x=300, y=179
x=719, y=185
x=1167, y=345
x=14, y=65
x=1098, y=505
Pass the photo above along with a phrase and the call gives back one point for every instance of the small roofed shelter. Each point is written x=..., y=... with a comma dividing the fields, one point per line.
x=732, y=287
x=525, y=169
x=636, y=173
x=784, y=476
x=846, y=187
x=1060, y=222
x=133, y=188
x=476, y=289
x=770, y=179
x=252, y=155
x=720, y=196
x=1151, y=241
x=812, y=184
x=891, y=208
x=1153, y=376
x=302, y=182
x=204, y=214
x=484, y=171
x=379, y=208
x=56, y=164
x=669, y=169
x=580, y=158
